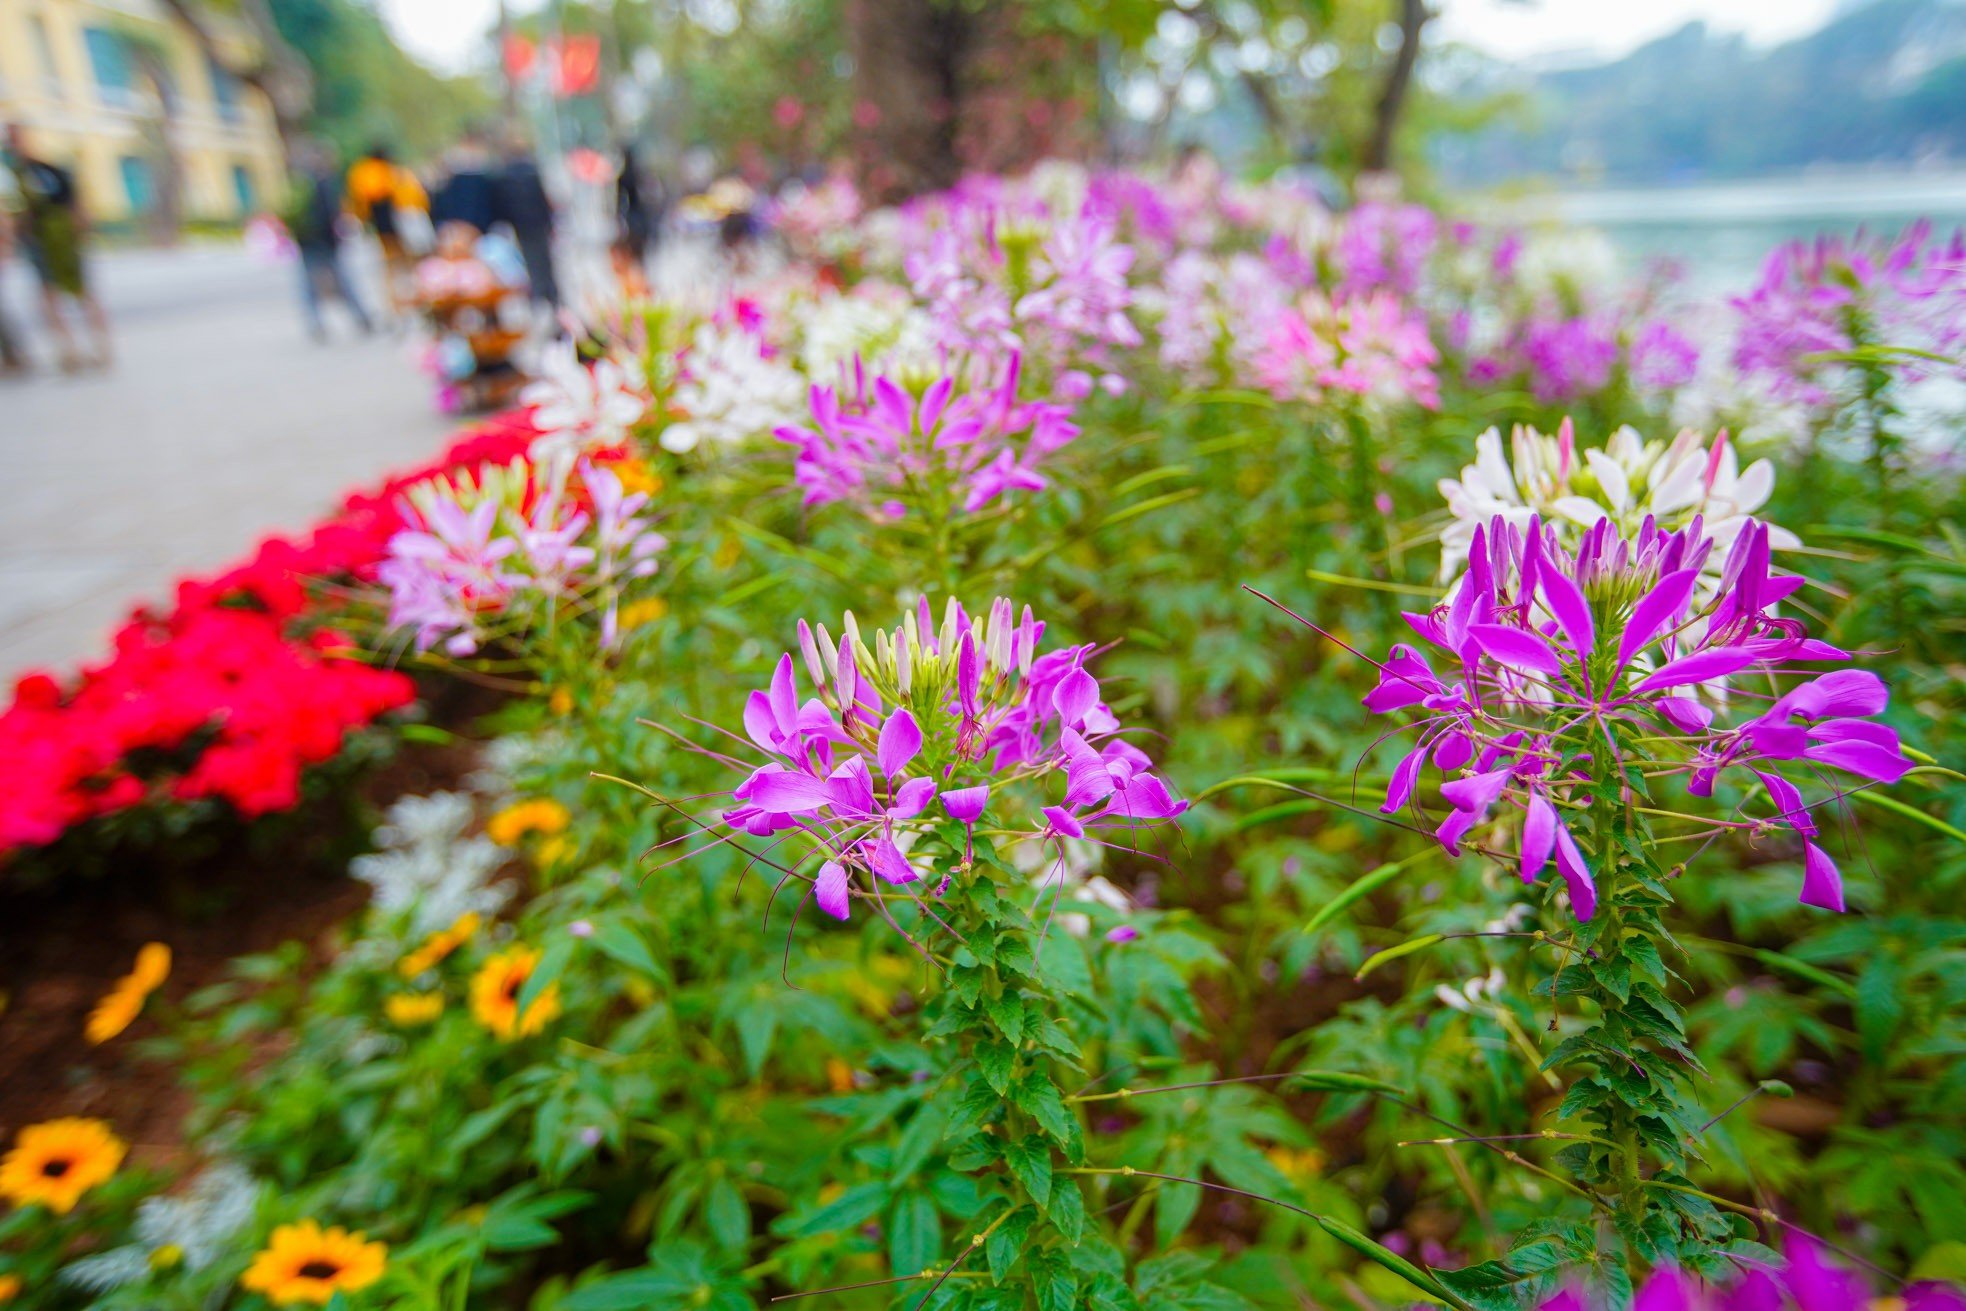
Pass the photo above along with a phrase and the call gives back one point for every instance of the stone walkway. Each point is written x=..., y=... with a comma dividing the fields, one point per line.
x=221, y=421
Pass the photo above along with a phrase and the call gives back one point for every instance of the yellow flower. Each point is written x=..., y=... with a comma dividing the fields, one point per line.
x=554, y=850
x=306, y=1263
x=55, y=1162
x=645, y=611
x=153, y=965
x=407, y=1010
x=1295, y=1162
x=121, y=1005
x=9, y=1287
x=439, y=945
x=560, y=702
x=635, y=475
x=495, y=995
x=540, y=815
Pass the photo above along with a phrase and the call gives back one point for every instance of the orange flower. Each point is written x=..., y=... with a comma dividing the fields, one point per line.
x=540, y=815
x=121, y=1005
x=495, y=995
x=439, y=945
x=9, y=1287
x=55, y=1162
x=306, y=1263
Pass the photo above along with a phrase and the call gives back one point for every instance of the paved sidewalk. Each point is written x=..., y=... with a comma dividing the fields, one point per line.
x=221, y=421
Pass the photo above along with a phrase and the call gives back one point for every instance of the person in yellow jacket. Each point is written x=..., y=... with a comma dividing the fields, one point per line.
x=381, y=195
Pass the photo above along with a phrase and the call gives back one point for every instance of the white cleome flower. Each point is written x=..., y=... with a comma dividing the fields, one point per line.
x=429, y=868
x=188, y=1231
x=732, y=393
x=1625, y=481
x=875, y=324
x=579, y=409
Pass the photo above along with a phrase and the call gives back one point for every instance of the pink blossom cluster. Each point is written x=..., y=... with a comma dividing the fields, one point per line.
x=1819, y=300
x=886, y=449
x=969, y=722
x=1373, y=347
x=506, y=549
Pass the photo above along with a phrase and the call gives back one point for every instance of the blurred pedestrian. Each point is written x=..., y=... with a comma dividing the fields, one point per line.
x=13, y=347
x=53, y=229
x=467, y=193
x=524, y=206
x=388, y=199
x=313, y=218
x=637, y=205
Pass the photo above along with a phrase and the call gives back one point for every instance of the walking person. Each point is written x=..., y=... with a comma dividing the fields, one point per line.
x=53, y=230
x=312, y=217
x=387, y=198
x=637, y=205
x=13, y=347
x=524, y=206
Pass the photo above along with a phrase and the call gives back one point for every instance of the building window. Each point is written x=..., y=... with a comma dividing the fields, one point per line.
x=242, y=187
x=138, y=185
x=225, y=91
x=115, y=71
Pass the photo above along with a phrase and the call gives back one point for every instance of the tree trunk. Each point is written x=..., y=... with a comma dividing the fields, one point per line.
x=1378, y=155
x=908, y=58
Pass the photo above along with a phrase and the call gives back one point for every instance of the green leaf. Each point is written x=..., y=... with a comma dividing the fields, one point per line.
x=552, y=964
x=914, y=1238
x=1030, y=1160
x=924, y=1131
x=1392, y=1261
x=998, y=1062
x=1038, y=1097
x=1407, y=948
x=1067, y=1208
x=1006, y=1244
x=1364, y=886
x=856, y=1206
x=620, y=940
x=1007, y=1013
x=727, y=1215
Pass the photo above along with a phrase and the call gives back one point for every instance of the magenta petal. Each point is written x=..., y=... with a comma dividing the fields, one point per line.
x=911, y=798
x=1573, y=613
x=900, y=742
x=1539, y=828
x=1656, y=612
x=1576, y=874
x=1405, y=774
x=1476, y=794
x=1515, y=648
x=1077, y=693
x=888, y=862
x=1685, y=713
x=1700, y=667
x=830, y=889
x=1124, y=933
x=1822, y=882
x=787, y=792
x=965, y=805
x=1788, y=803
x=1063, y=822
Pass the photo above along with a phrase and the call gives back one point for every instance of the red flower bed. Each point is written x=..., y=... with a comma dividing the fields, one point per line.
x=222, y=695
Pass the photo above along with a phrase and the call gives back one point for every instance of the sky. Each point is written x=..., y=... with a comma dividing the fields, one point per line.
x=448, y=34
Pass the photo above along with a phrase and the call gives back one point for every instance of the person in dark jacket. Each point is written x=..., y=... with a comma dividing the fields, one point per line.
x=469, y=192
x=522, y=204
x=312, y=218
x=637, y=205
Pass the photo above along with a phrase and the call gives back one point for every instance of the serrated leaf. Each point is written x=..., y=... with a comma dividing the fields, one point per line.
x=1029, y=1159
x=1006, y=1243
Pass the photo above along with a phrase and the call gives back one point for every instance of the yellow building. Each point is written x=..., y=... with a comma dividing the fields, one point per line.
x=72, y=72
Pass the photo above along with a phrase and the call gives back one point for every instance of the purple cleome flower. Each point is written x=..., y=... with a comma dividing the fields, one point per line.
x=1557, y=656
x=969, y=715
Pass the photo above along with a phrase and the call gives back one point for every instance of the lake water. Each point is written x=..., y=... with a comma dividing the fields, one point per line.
x=1720, y=233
